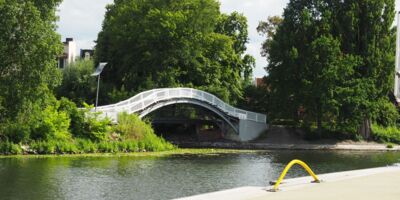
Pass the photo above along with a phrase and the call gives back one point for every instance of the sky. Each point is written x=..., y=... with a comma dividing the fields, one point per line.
x=82, y=19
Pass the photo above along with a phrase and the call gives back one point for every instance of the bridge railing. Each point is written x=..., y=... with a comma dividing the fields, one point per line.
x=145, y=99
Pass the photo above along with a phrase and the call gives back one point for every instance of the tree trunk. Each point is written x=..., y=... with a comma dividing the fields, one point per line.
x=365, y=129
x=319, y=121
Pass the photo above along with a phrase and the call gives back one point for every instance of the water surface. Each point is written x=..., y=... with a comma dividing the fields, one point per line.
x=169, y=177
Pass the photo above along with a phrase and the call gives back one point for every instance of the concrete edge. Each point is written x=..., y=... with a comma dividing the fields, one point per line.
x=289, y=184
x=266, y=146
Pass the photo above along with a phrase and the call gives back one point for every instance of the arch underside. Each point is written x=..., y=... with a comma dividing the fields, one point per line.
x=205, y=105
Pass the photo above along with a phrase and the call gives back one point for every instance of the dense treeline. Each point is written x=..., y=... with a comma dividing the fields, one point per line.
x=331, y=64
x=32, y=119
x=158, y=43
x=330, y=70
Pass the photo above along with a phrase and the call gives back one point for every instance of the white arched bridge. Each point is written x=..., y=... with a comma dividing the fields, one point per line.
x=248, y=125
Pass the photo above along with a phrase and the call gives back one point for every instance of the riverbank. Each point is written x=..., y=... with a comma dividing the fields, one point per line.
x=283, y=138
x=377, y=183
x=273, y=146
x=180, y=151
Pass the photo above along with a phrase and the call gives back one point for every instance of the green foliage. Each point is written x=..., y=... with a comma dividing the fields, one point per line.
x=132, y=128
x=96, y=127
x=157, y=43
x=29, y=112
x=84, y=122
x=9, y=148
x=386, y=134
x=16, y=131
x=52, y=125
x=86, y=146
x=330, y=63
x=77, y=117
x=43, y=147
x=77, y=84
x=255, y=99
x=386, y=113
x=48, y=123
x=29, y=45
x=67, y=147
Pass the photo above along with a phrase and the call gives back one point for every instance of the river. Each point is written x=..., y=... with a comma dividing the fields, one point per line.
x=121, y=178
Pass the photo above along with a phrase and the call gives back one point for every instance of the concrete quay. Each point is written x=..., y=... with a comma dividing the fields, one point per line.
x=368, y=184
x=269, y=146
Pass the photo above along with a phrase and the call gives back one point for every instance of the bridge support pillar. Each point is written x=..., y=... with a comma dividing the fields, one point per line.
x=250, y=130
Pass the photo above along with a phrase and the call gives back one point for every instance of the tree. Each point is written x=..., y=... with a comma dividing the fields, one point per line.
x=28, y=48
x=77, y=83
x=332, y=58
x=157, y=43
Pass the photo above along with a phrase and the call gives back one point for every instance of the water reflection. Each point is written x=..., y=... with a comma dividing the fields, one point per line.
x=167, y=177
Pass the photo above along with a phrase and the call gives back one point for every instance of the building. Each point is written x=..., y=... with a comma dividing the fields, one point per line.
x=68, y=57
x=258, y=82
x=87, y=54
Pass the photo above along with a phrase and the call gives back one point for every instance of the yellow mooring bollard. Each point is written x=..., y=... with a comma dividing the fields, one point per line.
x=293, y=162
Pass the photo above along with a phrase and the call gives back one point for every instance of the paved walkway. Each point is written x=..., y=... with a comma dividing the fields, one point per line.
x=370, y=184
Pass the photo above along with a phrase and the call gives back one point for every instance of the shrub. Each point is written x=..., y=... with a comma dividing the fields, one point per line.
x=43, y=147
x=108, y=147
x=77, y=83
x=77, y=117
x=10, y=148
x=132, y=128
x=390, y=146
x=66, y=147
x=16, y=131
x=386, y=134
x=387, y=113
x=96, y=127
x=86, y=146
x=52, y=125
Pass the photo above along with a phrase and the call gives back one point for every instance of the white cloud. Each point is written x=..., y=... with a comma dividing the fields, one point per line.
x=255, y=11
x=82, y=19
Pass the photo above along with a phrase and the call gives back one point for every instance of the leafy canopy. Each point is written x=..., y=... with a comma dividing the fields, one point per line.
x=158, y=43
x=333, y=60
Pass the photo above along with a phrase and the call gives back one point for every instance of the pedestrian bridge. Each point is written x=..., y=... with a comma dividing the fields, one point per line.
x=247, y=125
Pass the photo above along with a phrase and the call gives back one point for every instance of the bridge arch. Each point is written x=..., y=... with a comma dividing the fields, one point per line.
x=216, y=111
x=249, y=125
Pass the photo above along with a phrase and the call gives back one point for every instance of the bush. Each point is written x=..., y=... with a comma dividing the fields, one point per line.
x=43, y=147
x=86, y=146
x=52, y=136
x=52, y=125
x=77, y=117
x=16, y=131
x=10, y=148
x=77, y=83
x=387, y=113
x=390, y=134
x=132, y=128
x=67, y=147
x=96, y=128
x=108, y=147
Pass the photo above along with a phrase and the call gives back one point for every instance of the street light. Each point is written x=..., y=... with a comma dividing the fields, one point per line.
x=97, y=73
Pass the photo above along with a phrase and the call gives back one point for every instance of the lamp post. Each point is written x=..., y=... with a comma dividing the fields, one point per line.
x=97, y=73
